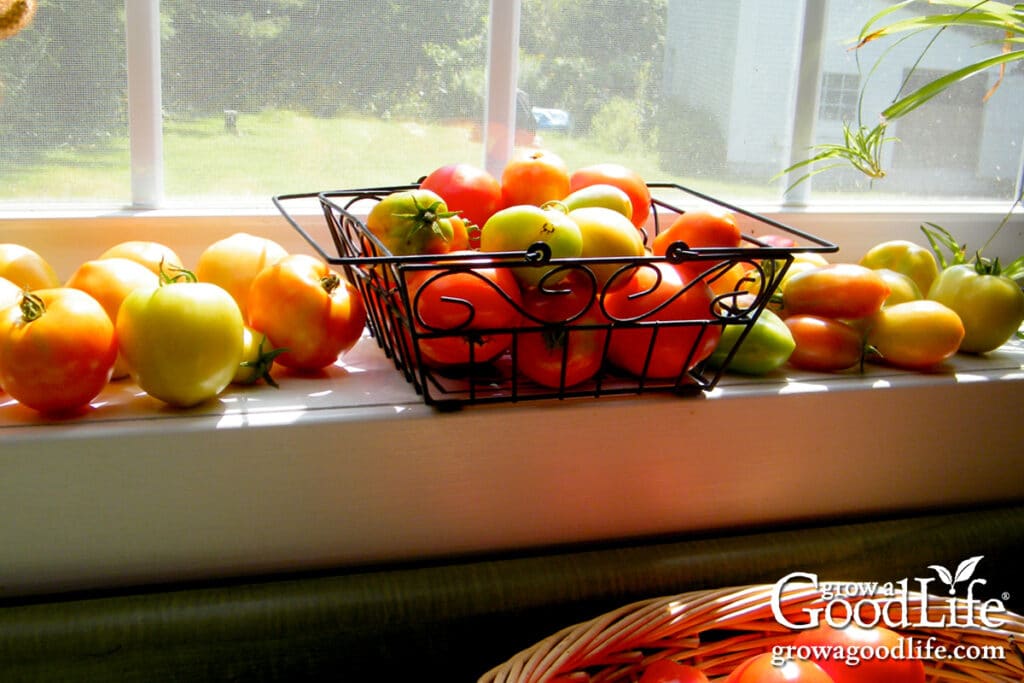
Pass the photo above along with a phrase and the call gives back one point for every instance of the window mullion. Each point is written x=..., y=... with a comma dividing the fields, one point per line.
x=502, y=76
x=808, y=92
x=145, y=124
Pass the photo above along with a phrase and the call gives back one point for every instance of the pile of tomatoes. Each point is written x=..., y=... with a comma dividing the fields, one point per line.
x=848, y=655
x=183, y=336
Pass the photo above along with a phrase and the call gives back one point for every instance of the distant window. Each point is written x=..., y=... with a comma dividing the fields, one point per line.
x=839, y=94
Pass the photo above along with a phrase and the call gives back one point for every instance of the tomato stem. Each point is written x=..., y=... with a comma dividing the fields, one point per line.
x=263, y=363
x=170, y=274
x=330, y=282
x=32, y=307
x=426, y=218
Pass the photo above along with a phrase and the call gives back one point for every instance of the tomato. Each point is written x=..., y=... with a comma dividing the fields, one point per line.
x=468, y=189
x=603, y=195
x=620, y=176
x=776, y=240
x=656, y=292
x=109, y=281
x=534, y=176
x=551, y=349
x=153, y=255
x=305, y=307
x=915, y=334
x=604, y=233
x=901, y=287
x=516, y=228
x=823, y=344
x=767, y=346
x=463, y=234
x=830, y=647
x=182, y=340
x=699, y=229
x=837, y=290
x=26, y=268
x=991, y=307
x=257, y=359
x=412, y=222
x=916, y=262
x=57, y=349
x=233, y=263
x=670, y=671
x=470, y=306
x=762, y=669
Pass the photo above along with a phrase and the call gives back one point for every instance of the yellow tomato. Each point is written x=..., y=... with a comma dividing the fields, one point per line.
x=148, y=253
x=26, y=268
x=235, y=261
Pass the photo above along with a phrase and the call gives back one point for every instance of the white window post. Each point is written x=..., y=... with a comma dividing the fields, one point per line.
x=145, y=122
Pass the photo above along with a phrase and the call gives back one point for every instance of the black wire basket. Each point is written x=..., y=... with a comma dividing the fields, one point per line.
x=493, y=359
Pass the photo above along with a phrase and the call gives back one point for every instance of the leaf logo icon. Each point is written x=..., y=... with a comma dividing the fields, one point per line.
x=964, y=571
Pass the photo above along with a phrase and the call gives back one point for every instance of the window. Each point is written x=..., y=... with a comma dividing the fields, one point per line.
x=265, y=97
x=839, y=95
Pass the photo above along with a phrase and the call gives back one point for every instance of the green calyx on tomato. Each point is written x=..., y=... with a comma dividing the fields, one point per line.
x=257, y=360
x=412, y=222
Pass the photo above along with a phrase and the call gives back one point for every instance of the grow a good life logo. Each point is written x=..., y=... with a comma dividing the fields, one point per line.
x=907, y=603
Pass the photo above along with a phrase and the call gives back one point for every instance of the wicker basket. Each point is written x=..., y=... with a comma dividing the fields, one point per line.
x=715, y=630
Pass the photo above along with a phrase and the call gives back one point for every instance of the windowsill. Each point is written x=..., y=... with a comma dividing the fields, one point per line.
x=352, y=468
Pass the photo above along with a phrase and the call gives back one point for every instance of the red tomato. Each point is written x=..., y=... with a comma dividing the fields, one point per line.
x=761, y=669
x=823, y=344
x=546, y=351
x=305, y=307
x=838, y=290
x=465, y=303
x=534, y=176
x=465, y=188
x=835, y=645
x=699, y=229
x=669, y=671
x=621, y=177
x=657, y=292
x=57, y=349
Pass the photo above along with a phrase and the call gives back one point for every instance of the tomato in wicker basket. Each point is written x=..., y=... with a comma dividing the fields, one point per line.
x=853, y=638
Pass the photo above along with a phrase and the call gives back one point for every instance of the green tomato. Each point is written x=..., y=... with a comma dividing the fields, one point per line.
x=766, y=347
x=603, y=195
x=516, y=228
x=990, y=306
x=412, y=222
x=901, y=287
x=916, y=262
x=182, y=341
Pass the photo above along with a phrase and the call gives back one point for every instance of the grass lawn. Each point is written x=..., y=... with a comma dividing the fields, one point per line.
x=278, y=152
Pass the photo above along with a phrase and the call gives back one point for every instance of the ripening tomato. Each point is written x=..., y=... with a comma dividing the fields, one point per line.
x=154, y=255
x=412, y=222
x=470, y=305
x=308, y=309
x=767, y=346
x=901, y=287
x=670, y=671
x=9, y=292
x=991, y=307
x=903, y=256
x=838, y=290
x=257, y=361
x=57, y=349
x=656, y=293
x=915, y=334
x=182, y=340
x=823, y=344
x=600, y=195
x=606, y=233
x=626, y=179
x=234, y=262
x=516, y=228
x=829, y=648
x=534, y=176
x=562, y=342
x=109, y=281
x=698, y=230
x=763, y=669
x=468, y=189
x=26, y=268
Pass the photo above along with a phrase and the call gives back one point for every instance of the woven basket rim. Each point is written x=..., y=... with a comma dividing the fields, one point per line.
x=715, y=629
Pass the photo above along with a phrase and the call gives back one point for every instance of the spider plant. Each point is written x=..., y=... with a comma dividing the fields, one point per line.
x=862, y=148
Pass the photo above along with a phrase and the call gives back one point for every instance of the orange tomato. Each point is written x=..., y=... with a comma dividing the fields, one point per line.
x=823, y=344
x=235, y=261
x=26, y=268
x=57, y=349
x=109, y=281
x=702, y=228
x=534, y=176
x=148, y=253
